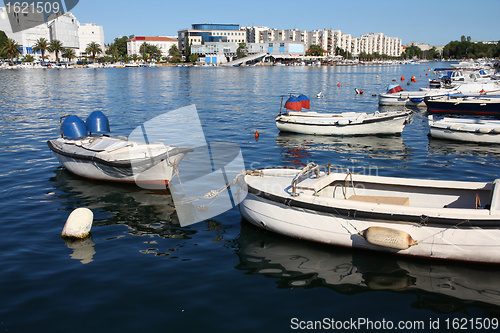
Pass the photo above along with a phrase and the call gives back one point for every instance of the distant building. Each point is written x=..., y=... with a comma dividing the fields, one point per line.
x=207, y=33
x=88, y=33
x=163, y=43
x=64, y=28
x=220, y=52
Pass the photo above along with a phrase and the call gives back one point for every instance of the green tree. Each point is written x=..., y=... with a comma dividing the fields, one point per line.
x=11, y=49
x=112, y=51
x=28, y=58
x=144, y=50
x=188, y=49
x=315, y=50
x=69, y=54
x=193, y=58
x=242, y=50
x=56, y=46
x=174, y=51
x=93, y=49
x=3, y=38
x=41, y=45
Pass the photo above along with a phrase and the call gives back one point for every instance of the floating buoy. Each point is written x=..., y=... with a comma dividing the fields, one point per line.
x=78, y=223
x=338, y=84
x=394, y=80
x=361, y=92
x=387, y=237
x=377, y=76
x=256, y=134
x=402, y=78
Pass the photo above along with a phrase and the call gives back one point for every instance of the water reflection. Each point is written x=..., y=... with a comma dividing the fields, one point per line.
x=446, y=147
x=299, y=149
x=438, y=286
x=142, y=211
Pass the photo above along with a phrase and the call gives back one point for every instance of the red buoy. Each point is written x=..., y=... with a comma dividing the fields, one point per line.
x=338, y=84
x=256, y=134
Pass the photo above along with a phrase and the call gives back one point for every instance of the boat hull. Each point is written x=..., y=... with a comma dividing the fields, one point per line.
x=438, y=242
x=467, y=130
x=127, y=162
x=465, y=107
x=446, y=220
x=389, y=123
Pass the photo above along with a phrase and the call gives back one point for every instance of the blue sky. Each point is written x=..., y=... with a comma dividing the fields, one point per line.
x=435, y=22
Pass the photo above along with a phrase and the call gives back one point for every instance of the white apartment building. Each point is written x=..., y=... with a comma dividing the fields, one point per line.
x=65, y=28
x=163, y=43
x=255, y=34
x=88, y=33
x=331, y=39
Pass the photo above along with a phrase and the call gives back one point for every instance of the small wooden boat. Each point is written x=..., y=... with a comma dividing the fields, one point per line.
x=463, y=104
x=461, y=129
x=99, y=156
x=452, y=220
x=346, y=123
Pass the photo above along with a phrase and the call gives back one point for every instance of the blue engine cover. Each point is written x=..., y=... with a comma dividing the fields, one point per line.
x=73, y=128
x=97, y=123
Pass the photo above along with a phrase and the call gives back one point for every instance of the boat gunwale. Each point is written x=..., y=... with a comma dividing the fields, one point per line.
x=365, y=210
x=126, y=163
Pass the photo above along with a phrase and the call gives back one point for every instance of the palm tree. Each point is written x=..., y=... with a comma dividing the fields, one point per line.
x=41, y=45
x=11, y=49
x=93, y=48
x=68, y=54
x=56, y=46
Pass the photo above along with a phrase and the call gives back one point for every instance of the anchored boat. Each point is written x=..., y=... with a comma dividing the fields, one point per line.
x=346, y=123
x=100, y=156
x=463, y=104
x=463, y=129
x=440, y=219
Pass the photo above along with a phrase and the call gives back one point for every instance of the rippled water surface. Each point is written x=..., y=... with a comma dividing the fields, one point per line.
x=142, y=272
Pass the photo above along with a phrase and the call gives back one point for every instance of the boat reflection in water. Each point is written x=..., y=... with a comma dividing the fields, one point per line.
x=440, y=287
x=142, y=211
x=447, y=147
x=299, y=149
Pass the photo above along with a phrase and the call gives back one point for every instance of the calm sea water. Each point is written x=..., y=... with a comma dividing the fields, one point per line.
x=142, y=272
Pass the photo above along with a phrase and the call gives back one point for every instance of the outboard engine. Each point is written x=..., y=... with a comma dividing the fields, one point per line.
x=73, y=128
x=97, y=123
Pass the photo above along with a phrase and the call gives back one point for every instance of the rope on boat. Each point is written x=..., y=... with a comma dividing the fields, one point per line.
x=212, y=194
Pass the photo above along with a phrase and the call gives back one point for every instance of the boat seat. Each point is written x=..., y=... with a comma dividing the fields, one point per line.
x=402, y=201
x=322, y=183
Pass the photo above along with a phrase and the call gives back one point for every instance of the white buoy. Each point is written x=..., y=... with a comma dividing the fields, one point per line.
x=78, y=223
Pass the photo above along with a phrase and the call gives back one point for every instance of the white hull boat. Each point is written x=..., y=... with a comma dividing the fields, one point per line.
x=462, y=129
x=346, y=123
x=451, y=220
x=113, y=158
x=395, y=96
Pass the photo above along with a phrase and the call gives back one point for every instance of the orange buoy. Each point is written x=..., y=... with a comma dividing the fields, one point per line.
x=257, y=134
x=361, y=92
x=402, y=78
x=338, y=84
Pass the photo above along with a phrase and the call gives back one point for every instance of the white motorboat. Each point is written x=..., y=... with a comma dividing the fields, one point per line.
x=346, y=123
x=99, y=156
x=395, y=95
x=465, y=129
x=452, y=220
